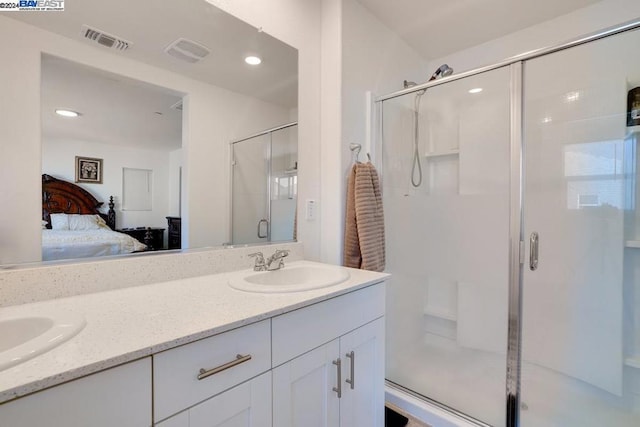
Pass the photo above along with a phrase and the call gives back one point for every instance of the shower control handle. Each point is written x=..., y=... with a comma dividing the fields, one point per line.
x=534, y=241
x=338, y=389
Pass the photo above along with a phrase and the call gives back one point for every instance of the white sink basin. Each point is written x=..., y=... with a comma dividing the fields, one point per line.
x=23, y=337
x=292, y=278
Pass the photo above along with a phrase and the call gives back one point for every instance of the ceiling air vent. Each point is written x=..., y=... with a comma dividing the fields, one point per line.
x=187, y=50
x=105, y=39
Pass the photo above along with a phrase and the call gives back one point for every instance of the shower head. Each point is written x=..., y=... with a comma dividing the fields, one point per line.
x=444, y=70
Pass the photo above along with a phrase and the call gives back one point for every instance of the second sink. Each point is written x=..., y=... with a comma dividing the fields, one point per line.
x=24, y=337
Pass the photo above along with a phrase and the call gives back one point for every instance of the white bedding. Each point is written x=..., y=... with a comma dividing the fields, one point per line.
x=65, y=244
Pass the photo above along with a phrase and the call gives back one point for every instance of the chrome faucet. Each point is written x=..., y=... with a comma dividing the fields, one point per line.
x=279, y=256
x=270, y=264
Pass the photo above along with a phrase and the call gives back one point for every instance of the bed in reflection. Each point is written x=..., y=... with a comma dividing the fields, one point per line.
x=73, y=226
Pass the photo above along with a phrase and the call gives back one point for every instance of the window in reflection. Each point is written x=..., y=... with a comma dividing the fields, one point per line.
x=600, y=174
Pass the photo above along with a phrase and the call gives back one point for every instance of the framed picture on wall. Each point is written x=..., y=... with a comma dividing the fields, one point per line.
x=88, y=170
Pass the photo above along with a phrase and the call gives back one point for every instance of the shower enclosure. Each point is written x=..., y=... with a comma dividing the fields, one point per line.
x=264, y=183
x=515, y=290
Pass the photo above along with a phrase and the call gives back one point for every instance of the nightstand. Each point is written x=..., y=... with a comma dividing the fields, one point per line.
x=175, y=232
x=153, y=237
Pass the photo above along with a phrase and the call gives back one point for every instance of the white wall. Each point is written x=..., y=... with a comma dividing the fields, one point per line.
x=175, y=179
x=373, y=59
x=297, y=23
x=58, y=160
x=212, y=116
x=567, y=27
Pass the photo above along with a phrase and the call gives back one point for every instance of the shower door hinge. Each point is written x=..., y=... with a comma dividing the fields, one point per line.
x=522, y=251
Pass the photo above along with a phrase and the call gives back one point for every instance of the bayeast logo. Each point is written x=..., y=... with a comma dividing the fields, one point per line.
x=41, y=4
x=32, y=5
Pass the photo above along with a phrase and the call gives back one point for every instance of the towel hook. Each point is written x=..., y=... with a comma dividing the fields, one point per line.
x=355, y=149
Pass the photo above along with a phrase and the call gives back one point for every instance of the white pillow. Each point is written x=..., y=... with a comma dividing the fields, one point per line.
x=83, y=222
x=59, y=221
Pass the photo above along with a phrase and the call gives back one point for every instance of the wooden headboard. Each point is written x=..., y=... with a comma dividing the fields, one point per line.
x=60, y=196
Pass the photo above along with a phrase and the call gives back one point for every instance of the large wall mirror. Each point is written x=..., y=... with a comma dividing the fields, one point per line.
x=160, y=94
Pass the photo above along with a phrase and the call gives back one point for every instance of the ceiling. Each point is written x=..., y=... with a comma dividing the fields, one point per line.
x=114, y=109
x=436, y=28
x=152, y=28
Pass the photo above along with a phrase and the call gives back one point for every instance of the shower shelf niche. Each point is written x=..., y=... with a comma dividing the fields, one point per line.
x=452, y=152
x=632, y=244
x=440, y=313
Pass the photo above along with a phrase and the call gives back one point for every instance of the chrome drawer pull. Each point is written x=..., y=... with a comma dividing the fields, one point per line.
x=338, y=389
x=352, y=381
x=239, y=359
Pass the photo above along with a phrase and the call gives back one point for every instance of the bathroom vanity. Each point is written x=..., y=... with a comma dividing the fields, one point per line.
x=196, y=352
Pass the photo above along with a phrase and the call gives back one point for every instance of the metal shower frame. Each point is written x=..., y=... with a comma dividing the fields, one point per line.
x=516, y=223
x=269, y=176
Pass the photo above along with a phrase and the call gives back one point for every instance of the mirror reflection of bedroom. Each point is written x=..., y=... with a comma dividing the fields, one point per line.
x=111, y=163
x=168, y=170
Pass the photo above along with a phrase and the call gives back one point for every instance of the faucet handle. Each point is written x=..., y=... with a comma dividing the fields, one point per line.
x=260, y=264
x=282, y=252
x=258, y=256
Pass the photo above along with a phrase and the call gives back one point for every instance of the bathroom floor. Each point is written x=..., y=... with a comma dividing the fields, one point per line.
x=396, y=417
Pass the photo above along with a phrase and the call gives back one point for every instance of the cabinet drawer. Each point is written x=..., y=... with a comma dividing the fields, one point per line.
x=175, y=372
x=302, y=330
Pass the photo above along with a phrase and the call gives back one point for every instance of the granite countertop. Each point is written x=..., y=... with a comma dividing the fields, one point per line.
x=127, y=324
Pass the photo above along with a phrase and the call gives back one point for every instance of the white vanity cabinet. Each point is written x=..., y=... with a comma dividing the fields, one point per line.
x=301, y=346
x=120, y=396
x=339, y=382
x=319, y=365
x=246, y=405
x=190, y=374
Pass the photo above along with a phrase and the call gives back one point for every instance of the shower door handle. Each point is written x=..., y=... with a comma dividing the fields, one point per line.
x=266, y=223
x=534, y=241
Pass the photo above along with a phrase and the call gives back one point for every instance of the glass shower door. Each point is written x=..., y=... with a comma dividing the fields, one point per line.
x=250, y=190
x=448, y=243
x=284, y=184
x=581, y=340
x=265, y=187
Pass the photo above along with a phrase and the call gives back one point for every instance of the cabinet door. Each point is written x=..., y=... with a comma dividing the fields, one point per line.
x=246, y=405
x=303, y=393
x=119, y=396
x=362, y=401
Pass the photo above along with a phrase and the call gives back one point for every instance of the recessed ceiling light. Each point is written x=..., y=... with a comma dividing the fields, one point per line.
x=547, y=120
x=252, y=60
x=475, y=90
x=67, y=113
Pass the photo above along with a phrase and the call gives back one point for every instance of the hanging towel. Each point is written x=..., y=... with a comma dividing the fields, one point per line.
x=364, y=222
